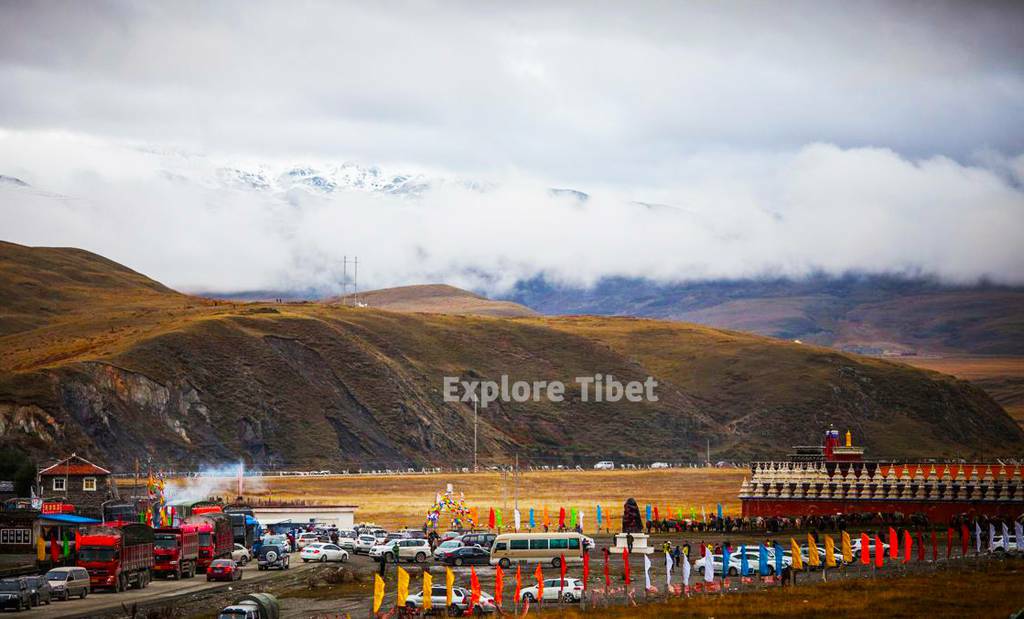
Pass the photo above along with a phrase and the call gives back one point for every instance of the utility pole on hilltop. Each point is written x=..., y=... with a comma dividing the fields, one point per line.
x=515, y=487
x=344, y=278
x=476, y=419
x=355, y=284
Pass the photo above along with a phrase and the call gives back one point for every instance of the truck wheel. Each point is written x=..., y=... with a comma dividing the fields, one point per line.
x=556, y=562
x=421, y=557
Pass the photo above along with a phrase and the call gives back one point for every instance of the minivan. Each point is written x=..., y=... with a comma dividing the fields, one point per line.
x=547, y=548
x=68, y=581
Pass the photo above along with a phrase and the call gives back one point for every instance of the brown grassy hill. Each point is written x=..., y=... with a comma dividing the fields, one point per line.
x=436, y=299
x=135, y=370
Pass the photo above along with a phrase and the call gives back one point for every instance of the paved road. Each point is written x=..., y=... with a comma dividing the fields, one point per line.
x=100, y=602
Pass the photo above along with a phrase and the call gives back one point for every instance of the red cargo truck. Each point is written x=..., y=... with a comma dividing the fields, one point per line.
x=117, y=555
x=216, y=540
x=176, y=551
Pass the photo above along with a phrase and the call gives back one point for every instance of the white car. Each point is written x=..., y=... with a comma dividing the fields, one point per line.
x=571, y=591
x=460, y=601
x=659, y=465
x=323, y=552
x=997, y=544
x=240, y=554
x=364, y=544
x=408, y=550
x=604, y=465
x=444, y=547
x=305, y=539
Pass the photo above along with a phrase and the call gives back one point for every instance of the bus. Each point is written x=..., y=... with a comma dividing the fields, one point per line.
x=548, y=548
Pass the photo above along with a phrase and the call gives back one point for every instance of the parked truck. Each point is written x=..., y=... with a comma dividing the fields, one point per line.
x=176, y=551
x=117, y=555
x=216, y=540
x=243, y=525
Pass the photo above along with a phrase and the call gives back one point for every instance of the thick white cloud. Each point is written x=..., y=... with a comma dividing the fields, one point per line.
x=871, y=136
x=816, y=208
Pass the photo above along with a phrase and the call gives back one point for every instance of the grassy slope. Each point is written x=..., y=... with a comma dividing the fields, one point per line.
x=125, y=368
x=437, y=299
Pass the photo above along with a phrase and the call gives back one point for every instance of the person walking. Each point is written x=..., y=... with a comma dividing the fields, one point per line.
x=676, y=555
x=629, y=542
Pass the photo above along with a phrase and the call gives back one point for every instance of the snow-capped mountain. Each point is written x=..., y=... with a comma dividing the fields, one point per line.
x=327, y=179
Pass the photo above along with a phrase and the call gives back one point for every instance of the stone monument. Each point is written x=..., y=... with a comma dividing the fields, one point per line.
x=632, y=530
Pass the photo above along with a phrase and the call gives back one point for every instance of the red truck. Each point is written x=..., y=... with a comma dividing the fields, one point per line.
x=216, y=539
x=117, y=555
x=176, y=551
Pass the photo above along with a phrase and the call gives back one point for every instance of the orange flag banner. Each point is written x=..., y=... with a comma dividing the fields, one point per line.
x=474, y=588
x=539, y=574
x=499, y=584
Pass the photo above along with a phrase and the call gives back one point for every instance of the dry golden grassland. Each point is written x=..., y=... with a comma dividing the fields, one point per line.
x=995, y=589
x=403, y=500
x=1001, y=377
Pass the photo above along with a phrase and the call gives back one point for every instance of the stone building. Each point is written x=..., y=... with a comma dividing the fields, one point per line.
x=78, y=482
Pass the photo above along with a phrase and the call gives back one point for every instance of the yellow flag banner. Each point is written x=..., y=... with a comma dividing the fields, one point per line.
x=403, y=588
x=40, y=548
x=813, y=559
x=428, y=587
x=449, y=583
x=798, y=563
x=830, y=551
x=378, y=592
x=847, y=548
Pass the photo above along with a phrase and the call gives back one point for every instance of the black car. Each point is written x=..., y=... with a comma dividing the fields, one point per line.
x=15, y=593
x=272, y=556
x=467, y=555
x=39, y=588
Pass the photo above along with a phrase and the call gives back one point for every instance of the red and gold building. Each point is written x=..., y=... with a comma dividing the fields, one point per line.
x=834, y=478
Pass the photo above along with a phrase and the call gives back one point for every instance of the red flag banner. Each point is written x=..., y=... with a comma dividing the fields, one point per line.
x=607, y=573
x=54, y=547
x=499, y=584
x=474, y=587
x=490, y=519
x=894, y=544
x=586, y=569
x=625, y=562
x=561, y=517
x=879, y=552
x=865, y=549
x=908, y=542
x=920, y=546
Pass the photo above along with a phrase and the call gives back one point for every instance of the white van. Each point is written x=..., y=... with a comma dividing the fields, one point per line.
x=604, y=465
x=548, y=548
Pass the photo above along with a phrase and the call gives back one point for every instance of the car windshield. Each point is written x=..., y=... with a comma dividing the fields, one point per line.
x=55, y=575
x=96, y=554
x=367, y=538
x=206, y=539
x=9, y=585
x=165, y=540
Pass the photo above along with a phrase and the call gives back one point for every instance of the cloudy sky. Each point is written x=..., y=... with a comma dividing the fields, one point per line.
x=837, y=136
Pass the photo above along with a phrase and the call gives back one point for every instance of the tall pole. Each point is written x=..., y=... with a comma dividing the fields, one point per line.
x=355, y=284
x=476, y=419
x=344, y=278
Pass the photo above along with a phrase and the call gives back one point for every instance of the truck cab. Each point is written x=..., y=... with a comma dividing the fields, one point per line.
x=176, y=551
x=117, y=556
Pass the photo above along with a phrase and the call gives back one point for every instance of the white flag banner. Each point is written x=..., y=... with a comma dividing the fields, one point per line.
x=1006, y=538
x=991, y=536
x=517, y=518
x=668, y=570
x=709, y=565
x=977, y=537
x=1018, y=533
x=686, y=571
x=579, y=519
x=647, y=572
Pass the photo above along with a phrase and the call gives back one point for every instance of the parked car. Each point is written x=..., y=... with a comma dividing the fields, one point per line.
x=14, y=593
x=996, y=545
x=253, y=606
x=323, y=552
x=483, y=540
x=241, y=554
x=460, y=601
x=604, y=465
x=446, y=546
x=467, y=555
x=40, y=590
x=68, y=581
x=571, y=590
x=224, y=569
x=273, y=556
x=347, y=539
x=276, y=540
x=364, y=543
x=305, y=539
x=408, y=550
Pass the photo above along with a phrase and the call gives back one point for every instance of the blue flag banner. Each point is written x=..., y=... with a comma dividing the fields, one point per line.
x=533, y=525
x=598, y=516
x=744, y=561
x=719, y=511
x=762, y=560
x=648, y=511
x=725, y=561
x=778, y=560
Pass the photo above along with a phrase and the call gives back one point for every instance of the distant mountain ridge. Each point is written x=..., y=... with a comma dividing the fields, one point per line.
x=872, y=314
